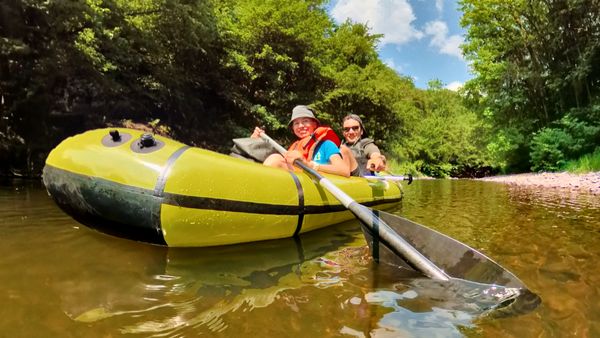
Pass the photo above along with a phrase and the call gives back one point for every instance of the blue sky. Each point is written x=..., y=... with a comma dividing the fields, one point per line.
x=422, y=37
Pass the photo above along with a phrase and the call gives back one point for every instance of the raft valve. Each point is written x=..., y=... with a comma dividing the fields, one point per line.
x=116, y=137
x=147, y=141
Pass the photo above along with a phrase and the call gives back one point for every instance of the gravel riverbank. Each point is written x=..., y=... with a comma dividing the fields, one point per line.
x=589, y=182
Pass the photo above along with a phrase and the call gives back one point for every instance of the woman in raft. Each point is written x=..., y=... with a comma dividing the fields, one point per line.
x=317, y=146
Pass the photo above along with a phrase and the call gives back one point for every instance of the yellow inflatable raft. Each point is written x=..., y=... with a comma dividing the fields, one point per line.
x=153, y=189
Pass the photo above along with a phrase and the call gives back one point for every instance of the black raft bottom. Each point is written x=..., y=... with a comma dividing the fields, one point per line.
x=109, y=207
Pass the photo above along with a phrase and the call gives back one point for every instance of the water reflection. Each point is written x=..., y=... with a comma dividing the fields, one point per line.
x=214, y=290
x=186, y=288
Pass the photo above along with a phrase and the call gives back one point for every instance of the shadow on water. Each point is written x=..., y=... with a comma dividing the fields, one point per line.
x=61, y=277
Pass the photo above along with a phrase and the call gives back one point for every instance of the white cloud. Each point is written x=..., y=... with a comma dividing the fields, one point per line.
x=390, y=63
x=454, y=85
x=450, y=45
x=439, y=5
x=393, y=18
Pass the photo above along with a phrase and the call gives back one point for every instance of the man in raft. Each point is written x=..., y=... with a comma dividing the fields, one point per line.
x=317, y=146
x=366, y=155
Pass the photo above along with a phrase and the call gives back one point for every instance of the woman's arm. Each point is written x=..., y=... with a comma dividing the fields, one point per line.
x=337, y=166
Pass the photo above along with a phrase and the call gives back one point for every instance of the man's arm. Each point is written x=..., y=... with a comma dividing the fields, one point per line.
x=376, y=161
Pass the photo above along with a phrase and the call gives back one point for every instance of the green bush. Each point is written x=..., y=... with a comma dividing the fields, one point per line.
x=508, y=150
x=398, y=167
x=441, y=170
x=548, y=149
x=571, y=138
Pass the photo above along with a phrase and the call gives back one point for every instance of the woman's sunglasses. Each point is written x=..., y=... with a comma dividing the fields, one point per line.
x=355, y=128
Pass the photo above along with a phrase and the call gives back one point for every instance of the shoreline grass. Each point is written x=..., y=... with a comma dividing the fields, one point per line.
x=584, y=164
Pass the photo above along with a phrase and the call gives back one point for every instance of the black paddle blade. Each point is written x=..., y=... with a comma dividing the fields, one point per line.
x=466, y=266
x=456, y=259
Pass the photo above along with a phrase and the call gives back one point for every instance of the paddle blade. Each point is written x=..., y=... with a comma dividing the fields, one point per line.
x=456, y=259
x=393, y=263
x=481, y=300
x=500, y=291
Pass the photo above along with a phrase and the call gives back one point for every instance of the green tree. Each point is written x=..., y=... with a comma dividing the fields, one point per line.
x=447, y=137
x=534, y=61
x=363, y=85
x=208, y=70
x=274, y=57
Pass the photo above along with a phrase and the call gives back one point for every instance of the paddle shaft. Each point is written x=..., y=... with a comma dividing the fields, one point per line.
x=386, y=234
x=389, y=178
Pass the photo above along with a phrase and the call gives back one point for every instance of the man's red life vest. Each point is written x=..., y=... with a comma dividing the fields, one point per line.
x=308, y=144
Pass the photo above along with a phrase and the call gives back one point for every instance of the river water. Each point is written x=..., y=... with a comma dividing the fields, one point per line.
x=61, y=279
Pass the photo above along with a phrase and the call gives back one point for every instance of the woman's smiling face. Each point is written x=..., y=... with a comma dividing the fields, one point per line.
x=304, y=126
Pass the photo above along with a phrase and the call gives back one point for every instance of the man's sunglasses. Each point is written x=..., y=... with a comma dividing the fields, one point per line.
x=347, y=129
